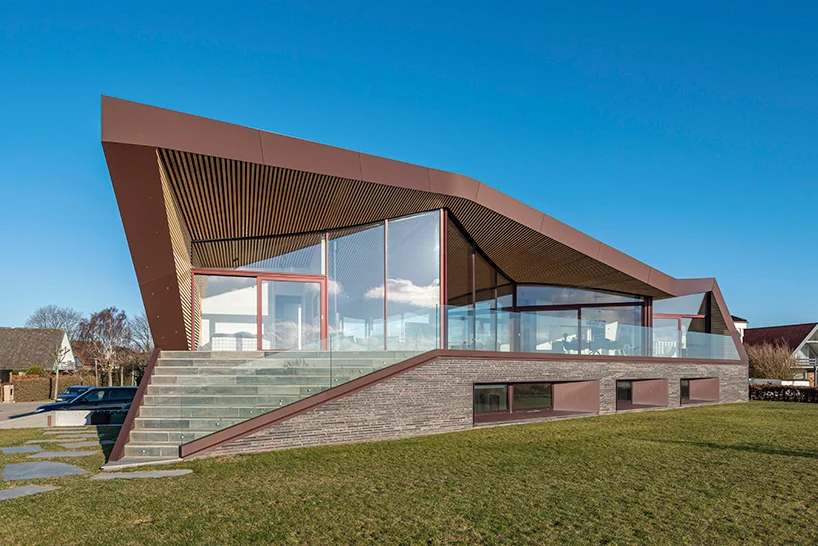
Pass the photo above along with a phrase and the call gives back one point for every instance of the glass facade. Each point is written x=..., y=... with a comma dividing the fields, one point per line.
x=355, y=288
x=290, y=315
x=531, y=397
x=226, y=308
x=413, y=281
x=378, y=287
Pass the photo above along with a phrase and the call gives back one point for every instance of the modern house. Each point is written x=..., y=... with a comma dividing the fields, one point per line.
x=301, y=294
x=801, y=339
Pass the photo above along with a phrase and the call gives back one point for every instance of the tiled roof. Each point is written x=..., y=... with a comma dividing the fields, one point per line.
x=792, y=334
x=21, y=348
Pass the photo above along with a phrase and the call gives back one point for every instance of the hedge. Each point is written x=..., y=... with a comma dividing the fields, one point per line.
x=784, y=393
x=34, y=390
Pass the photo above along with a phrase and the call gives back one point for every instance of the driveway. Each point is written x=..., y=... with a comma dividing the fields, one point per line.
x=14, y=409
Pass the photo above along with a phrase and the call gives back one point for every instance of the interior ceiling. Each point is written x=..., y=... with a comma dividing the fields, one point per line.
x=234, y=209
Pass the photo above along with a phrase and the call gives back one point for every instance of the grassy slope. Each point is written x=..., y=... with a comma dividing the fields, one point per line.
x=743, y=473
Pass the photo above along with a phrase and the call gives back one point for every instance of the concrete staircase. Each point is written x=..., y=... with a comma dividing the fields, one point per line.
x=193, y=394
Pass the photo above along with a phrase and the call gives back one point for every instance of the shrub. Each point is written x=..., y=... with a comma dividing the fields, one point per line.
x=784, y=393
x=32, y=390
x=771, y=361
x=35, y=370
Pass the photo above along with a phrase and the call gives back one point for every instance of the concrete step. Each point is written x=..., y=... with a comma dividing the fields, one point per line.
x=267, y=371
x=186, y=423
x=204, y=411
x=264, y=380
x=218, y=400
x=162, y=437
x=237, y=390
x=151, y=450
x=289, y=355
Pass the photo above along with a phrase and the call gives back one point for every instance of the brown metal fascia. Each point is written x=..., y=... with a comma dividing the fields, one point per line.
x=127, y=426
x=137, y=185
x=133, y=123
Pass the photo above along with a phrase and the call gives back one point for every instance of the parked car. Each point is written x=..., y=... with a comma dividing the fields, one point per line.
x=100, y=398
x=72, y=392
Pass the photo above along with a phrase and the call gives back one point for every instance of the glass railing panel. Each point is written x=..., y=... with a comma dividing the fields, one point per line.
x=224, y=390
x=613, y=338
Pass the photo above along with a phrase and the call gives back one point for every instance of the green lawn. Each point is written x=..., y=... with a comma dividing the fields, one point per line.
x=734, y=474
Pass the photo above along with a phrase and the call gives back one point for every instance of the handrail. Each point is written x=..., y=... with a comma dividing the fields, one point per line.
x=125, y=432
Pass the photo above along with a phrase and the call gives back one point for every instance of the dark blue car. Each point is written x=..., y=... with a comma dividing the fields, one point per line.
x=98, y=398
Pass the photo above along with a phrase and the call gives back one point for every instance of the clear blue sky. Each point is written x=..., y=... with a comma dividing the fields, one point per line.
x=685, y=135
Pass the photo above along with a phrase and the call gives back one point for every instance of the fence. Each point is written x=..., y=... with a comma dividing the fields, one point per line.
x=784, y=393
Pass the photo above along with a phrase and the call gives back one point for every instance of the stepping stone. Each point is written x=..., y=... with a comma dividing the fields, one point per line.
x=133, y=475
x=42, y=469
x=20, y=449
x=47, y=441
x=50, y=454
x=80, y=445
x=23, y=491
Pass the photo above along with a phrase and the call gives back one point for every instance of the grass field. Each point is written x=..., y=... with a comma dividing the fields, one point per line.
x=733, y=474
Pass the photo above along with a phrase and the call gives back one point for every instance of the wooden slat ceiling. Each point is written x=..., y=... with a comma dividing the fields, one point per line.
x=237, y=209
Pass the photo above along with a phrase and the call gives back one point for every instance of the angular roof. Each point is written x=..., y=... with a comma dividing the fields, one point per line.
x=195, y=192
x=793, y=335
x=21, y=348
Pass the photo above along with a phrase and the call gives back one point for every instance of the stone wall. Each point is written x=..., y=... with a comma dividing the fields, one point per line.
x=437, y=397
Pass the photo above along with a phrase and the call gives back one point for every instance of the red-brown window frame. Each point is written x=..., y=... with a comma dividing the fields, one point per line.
x=259, y=276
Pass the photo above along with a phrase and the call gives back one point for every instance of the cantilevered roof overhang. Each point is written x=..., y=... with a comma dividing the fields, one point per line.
x=195, y=192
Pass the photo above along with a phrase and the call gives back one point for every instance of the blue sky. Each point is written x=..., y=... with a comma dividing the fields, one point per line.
x=684, y=135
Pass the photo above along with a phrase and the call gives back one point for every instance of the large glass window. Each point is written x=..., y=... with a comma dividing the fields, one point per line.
x=355, y=288
x=226, y=313
x=535, y=296
x=413, y=285
x=612, y=330
x=290, y=315
x=550, y=331
x=531, y=396
x=490, y=398
x=693, y=304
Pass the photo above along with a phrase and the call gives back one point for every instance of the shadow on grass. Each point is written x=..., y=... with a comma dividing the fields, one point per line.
x=753, y=448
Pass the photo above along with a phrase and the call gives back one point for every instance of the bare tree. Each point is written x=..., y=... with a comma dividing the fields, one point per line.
x=53, y=316
x=107, y=331
x=59, y=353
x=141, y=334
x=141, y=347
x=771, y=361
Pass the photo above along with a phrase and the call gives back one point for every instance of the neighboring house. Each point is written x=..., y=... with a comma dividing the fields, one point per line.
x=801, y=339
x=303, y=294
x=21, y=348
x=741, y=325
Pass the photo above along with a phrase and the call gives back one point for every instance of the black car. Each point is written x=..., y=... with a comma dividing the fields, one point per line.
x=100, y=398
x=72, y=392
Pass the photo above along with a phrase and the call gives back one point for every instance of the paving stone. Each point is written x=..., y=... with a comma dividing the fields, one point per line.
x=42, y=469
x=50, y=454
x=24, y=491
x=92, y=443
x=54, y=441
x=20, y=449
x=134, y=475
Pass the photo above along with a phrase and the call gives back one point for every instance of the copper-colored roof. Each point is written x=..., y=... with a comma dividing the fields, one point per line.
x=197, y=192
x=793, y=335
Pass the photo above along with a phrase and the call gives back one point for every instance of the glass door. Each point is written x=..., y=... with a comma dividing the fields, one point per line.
x=291, y=314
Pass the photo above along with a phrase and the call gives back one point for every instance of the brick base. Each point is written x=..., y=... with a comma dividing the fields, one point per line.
x=437, y=397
